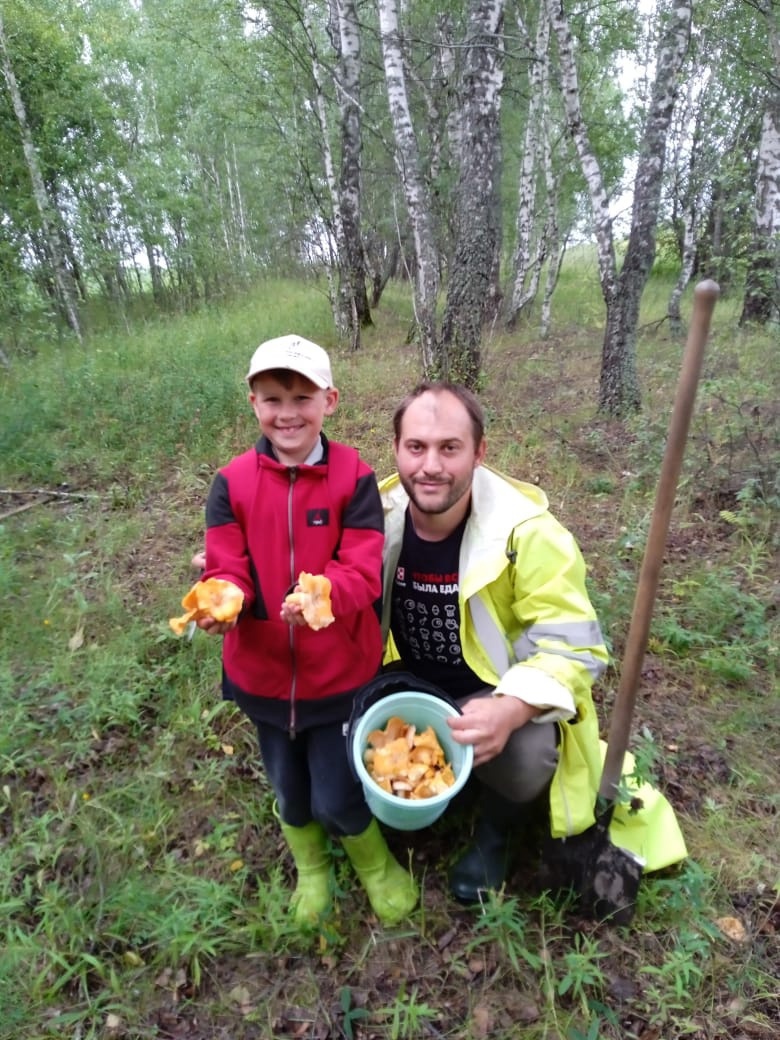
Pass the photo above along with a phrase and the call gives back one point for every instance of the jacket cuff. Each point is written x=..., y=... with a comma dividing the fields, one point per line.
x=540, y=690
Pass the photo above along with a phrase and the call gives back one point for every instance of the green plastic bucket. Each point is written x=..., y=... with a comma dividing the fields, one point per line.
x=422, y=710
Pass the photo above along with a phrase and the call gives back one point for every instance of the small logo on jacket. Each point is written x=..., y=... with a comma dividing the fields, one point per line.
x=317, y=517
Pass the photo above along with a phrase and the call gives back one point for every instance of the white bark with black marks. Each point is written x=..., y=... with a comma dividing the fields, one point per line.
x=407, y=159
x=353, y=298
x=472, y=286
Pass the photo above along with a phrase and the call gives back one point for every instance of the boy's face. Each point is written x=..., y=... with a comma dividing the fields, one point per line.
x=291, y=416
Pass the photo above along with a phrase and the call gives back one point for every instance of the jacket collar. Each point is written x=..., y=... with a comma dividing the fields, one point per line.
x=498, y=504
x=317, y=456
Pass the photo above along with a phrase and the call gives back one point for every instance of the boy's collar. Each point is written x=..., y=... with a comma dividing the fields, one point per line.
x=317, y=453
x=315, y=456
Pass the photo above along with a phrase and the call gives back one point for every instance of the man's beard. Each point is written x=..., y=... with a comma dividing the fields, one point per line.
x=456, y=491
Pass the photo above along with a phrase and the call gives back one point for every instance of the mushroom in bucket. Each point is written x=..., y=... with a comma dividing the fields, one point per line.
x=418, y=768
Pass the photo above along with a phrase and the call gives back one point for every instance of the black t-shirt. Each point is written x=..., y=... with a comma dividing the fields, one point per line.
x=425, y=616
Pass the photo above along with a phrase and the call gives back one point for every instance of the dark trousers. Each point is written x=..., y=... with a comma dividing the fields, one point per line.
x=312, y=779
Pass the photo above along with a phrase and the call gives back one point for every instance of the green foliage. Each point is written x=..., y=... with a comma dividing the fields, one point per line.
x=724, y=624
x=582, y=971
x=501, y=922
x=186, y=386
x=407, y=1015
x=351, y=1015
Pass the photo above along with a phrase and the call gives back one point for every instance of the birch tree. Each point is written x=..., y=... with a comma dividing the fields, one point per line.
x=762, y=290
x=345, y=35
x=619, y=385
x=409, y=165
x=690, y=178
x=537, y=232
x=472, y=274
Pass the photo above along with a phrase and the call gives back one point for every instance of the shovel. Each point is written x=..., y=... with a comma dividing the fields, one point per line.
x=605, y=878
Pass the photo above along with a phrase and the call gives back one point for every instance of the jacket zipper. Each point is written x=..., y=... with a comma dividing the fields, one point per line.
x=293, y=472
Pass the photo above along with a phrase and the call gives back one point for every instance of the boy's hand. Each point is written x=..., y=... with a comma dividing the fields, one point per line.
x=292, y=613
x=311, y=596
x=215, y=628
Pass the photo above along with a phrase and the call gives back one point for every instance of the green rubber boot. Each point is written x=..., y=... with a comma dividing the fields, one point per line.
x=391, y=890
x=313, y=895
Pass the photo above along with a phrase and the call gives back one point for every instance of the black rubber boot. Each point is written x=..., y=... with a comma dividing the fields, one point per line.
x=484, y=866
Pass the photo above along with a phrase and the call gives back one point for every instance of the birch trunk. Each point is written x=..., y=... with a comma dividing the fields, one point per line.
x=688, y=260
x=526, y=271
x=688, y=189
x=353, y=296
x=332, y=222
x=46, y=211
x=599, y=200
x=472, y=278
x=619, y=384
x=418, y=204
x=762, y=293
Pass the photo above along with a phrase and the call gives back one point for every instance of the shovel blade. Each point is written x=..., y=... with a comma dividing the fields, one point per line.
x=603, y=877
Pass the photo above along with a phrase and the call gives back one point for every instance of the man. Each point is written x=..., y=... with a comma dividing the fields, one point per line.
x=485, y=596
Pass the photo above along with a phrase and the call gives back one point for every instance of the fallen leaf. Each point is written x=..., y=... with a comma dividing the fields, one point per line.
x=527, y=1011
x=732, y=928
x=482, y=1021
x=77, y=639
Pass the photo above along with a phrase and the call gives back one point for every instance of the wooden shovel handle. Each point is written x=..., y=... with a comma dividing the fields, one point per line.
x=704, y=299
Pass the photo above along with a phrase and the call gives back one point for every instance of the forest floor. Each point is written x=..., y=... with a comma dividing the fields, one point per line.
x=701, y=958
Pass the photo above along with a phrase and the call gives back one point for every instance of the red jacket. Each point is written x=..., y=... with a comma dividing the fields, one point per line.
x=265, y=523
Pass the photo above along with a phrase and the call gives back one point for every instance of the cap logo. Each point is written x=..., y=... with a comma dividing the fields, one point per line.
x=294, y=352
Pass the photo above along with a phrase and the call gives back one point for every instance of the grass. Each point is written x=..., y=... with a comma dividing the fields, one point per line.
x=143, y=881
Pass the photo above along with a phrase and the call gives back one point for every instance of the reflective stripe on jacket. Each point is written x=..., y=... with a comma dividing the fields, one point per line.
x=523, y=604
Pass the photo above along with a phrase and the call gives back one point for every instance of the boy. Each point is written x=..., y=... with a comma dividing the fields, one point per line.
x=299, y=502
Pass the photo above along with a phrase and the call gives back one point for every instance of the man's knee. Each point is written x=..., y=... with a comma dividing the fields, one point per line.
x=526, y=766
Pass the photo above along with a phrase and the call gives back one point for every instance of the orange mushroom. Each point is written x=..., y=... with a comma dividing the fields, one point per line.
x=215, y=597
x=312, y=594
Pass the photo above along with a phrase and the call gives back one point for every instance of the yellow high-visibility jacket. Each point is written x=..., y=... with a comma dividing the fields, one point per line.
x=523, y=605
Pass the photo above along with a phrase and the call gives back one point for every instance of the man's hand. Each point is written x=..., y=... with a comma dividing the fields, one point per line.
x=488, y=723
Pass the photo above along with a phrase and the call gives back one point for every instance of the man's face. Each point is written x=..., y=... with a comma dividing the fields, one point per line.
x=435, y=454
x=291, y=417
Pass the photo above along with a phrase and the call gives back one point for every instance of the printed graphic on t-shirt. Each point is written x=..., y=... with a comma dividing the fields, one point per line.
x=425, y=615
x=428, y=614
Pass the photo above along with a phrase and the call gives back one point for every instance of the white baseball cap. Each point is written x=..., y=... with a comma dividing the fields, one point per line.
x=295, y=353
